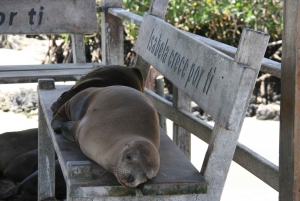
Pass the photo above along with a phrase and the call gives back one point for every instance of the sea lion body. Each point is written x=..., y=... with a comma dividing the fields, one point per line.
x=103, y=77
x=117, y=127
x=13, y=144
x=22, y=166
x=19, y=161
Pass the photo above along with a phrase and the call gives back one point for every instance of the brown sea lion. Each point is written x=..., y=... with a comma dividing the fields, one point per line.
x=115, y=126
x=103, y=77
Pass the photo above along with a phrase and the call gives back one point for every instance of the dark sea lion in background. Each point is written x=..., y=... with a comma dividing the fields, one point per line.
x=19, y=163
x=22, y=166
x=13, y=144
x=103, y=77
x=28, y=188
x=117, y=127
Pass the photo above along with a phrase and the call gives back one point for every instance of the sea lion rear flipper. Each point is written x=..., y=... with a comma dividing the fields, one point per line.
x=66, y=128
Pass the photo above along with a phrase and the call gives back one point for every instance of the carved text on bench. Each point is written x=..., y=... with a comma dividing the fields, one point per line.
x=31, y=15
x=180, y=63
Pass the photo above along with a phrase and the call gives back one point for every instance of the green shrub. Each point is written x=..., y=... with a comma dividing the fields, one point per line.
x=220, y=20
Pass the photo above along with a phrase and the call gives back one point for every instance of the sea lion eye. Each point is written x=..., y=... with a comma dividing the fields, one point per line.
x=128, y=156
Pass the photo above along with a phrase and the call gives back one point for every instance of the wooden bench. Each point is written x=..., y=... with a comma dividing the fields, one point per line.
x=219, y=84
x=49, y=17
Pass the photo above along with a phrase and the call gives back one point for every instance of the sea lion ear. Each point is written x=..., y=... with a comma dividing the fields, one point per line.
x=140, y=77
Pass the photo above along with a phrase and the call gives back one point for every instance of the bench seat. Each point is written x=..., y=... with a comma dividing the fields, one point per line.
x=176, y=174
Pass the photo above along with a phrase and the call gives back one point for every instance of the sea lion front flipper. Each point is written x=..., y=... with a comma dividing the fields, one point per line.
x=66, y=130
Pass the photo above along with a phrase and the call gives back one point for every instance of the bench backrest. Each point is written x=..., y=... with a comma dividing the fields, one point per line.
x=215, y=81
x=220, y=85
x=47, y=16
x=75, y=17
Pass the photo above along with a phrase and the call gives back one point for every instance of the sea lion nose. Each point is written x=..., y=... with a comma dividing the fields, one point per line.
x=130, y=178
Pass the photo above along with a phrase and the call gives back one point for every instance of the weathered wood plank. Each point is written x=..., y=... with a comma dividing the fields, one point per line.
x=207, y=76
x=112, y=35
x=42, y=73
x=267, y=66
x=251, y=49
x=180, y=136
x=46, y=159
x=47, y=16
x=158, y=8
x=50, y=66
x=289, y=152
x=31, y=73
x=78, y=48
x=181, y=117
x=159, y=90
x=126, y=15
x=257, y=165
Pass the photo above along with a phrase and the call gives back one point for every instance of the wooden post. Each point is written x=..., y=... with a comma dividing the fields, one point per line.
x=78, y=48
x=46, y=152
x=159, y=89
x=112, y=35
x=289, y=151
x=223, y=142
x=180, y=136
x=157, y=8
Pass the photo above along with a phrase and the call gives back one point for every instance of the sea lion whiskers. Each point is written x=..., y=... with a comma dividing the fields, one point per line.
x=122, y=174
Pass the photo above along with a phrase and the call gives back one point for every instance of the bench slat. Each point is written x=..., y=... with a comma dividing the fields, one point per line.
x=176, y=174
x=50, y=66
x=38, y=17
x=126, y=15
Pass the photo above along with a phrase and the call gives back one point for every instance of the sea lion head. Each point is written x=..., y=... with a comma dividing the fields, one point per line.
x=138, y=162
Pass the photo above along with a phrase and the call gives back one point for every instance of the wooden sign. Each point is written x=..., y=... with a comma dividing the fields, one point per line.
x=206, y=75
x=47, y=16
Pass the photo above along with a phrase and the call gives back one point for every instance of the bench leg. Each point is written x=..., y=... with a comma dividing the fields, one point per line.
x=46, y=161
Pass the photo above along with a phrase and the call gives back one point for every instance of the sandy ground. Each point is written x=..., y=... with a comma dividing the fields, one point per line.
x=260, y=136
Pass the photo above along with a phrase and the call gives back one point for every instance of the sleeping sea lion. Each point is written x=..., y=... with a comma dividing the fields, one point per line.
x=115, y=126
x=103, y=77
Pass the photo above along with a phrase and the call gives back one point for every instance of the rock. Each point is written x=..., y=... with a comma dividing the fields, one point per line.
x=5, y=109
x=251, y=111
x=23, y=101
x=268, y=112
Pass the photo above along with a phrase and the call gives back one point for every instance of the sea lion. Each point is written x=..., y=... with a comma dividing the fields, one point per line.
x=22, y=166
x=102, y=77
x=13, y=144
x=115, y=126
x=19, y=161
x=28, y=187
